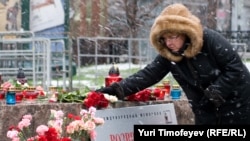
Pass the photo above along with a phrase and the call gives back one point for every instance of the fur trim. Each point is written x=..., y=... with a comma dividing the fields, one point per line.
x=178, y=19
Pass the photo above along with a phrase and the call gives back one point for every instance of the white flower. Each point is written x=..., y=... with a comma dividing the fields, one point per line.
x=26, y=85
x=110, y=98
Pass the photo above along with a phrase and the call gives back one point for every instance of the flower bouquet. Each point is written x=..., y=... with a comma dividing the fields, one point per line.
x=58, y=127
x=88, y=98
x=14, y=84
x=147, y=95
x=98, y=100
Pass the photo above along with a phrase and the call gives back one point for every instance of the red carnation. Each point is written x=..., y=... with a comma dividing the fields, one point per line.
x=95, y=99
x=143, y=95
x=51, y=134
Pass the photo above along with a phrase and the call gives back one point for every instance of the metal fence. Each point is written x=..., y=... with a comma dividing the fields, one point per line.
x=238, y=37
x=240, y=40
x=98, y=53
x=95, y=56
x=23, y=50
x=241, y=48
x=43, y=63
x=58, y=63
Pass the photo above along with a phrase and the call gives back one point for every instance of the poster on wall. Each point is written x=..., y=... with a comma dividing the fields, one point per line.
x=10, y=15
x=45, y=14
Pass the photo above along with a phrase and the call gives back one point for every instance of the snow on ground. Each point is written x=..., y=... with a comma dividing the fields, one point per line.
x=122, y=66
x=248, y=66
x=85, y=71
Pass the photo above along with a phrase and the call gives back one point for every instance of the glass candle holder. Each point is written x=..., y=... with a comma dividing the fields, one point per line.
x=159, y=92
x=53, y=91
x=113, y=75
x=111, y=79
x=167, y=86
x=2, y=94
x=19, y=95
x=11, y=97
x=30, y=93
x=175, y=92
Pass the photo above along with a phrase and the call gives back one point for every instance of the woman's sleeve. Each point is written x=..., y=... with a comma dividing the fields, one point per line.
x=146, y=77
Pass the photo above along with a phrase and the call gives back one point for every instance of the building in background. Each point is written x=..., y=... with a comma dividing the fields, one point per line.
x=10, y=15
x=240, y=15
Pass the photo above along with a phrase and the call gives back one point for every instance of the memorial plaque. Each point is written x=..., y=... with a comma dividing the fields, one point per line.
x=119, y=122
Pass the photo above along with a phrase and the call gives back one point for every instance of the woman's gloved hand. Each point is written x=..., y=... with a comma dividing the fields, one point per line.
x=108, y=90
x=213, y=95
x=115, y=89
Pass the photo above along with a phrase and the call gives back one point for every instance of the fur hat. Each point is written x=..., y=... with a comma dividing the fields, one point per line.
x=176, y=18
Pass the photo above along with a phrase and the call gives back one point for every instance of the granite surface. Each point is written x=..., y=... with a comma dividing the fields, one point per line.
x=11, y=114
x=183, y=111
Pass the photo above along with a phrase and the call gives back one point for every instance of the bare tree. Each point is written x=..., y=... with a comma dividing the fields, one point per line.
x=212, y=8
x=126, y=17
x=130, y=15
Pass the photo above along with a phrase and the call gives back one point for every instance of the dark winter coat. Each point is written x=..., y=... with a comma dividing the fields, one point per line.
x=213, y=61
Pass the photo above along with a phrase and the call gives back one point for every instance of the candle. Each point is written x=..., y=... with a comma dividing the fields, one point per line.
x=31, y=93
x=114, y=76
x=21, y=76
x=11, y=97
x=175, y=92
x=53, y=94
x=167, y=87
x=2, y=94
x=160, y=92
x=19, y=95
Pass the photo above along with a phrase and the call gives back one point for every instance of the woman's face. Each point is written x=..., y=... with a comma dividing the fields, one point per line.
x=174, y=41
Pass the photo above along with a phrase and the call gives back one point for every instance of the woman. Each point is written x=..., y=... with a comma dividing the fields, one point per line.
x=203, y=62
